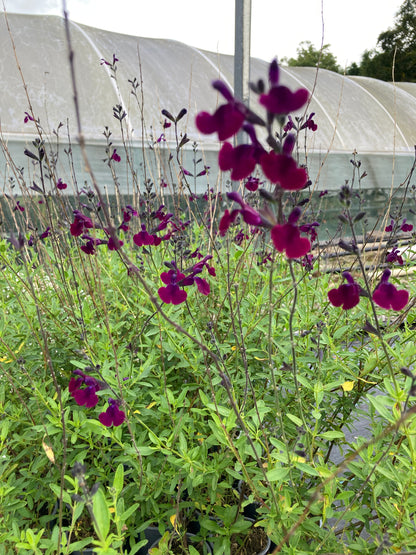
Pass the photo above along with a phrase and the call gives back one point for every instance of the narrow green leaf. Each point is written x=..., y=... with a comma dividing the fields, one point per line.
x=295, y=419
x=332, y=434
x=101, y=515
x=127, y=513
x=119, y=479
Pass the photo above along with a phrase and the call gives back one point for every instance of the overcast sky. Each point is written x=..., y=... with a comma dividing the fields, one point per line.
x=349, y=26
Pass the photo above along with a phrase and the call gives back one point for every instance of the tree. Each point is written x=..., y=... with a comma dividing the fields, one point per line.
x=309, y=56
x=396, y=49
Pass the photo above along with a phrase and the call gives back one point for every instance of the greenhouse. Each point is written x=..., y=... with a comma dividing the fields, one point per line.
x=374, y=118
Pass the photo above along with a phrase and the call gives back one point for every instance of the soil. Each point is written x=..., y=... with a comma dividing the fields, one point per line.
x=178, y=548
x=251, y=544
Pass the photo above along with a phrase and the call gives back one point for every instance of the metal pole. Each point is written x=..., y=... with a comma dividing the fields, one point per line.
x=242, y=52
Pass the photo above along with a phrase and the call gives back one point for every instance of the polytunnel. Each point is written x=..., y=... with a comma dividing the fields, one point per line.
x=354, y=114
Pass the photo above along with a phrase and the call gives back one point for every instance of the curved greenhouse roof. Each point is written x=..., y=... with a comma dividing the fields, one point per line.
x=353, y=113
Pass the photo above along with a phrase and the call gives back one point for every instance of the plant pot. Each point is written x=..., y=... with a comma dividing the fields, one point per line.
x=249, y=510
x=202, y=546
x=152, y=535
x=256, y=542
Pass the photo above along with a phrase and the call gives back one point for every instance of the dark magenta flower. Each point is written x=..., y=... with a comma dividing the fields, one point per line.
x=61, y=185
x=387, y=296
x=28, y=117
x=241, y=160
x=205, y=171
x=114, y=243
x=186, y=172
x=128, y=212
x=103, y=61
x=164, y=220
x=280, y=100
x=113, y=416
x=250, y=216
x=84, y=396
x=19, y=207
x=310, y=229
x=91, y=243
x=45, y=234
x=115, y=156
x=346, y=295
x=286, y=237
x=172, y=293
x=197, y=269
x=89, y=247
x=253, y=183
x=226, y=121
x=389, y=228
x=240, y=237
x=143, y=237
x=395, y=256
x=307, y=262
x=227, y=219
x=289, y=125
x=309, y=123
x=175, y=281
x=80, y=223
x=282, y=169
x=406, y=227
x=202, y=285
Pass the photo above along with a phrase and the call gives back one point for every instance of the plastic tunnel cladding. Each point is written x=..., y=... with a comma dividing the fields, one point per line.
x=374, y=118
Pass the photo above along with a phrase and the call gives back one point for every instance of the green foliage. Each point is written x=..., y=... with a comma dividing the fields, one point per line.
x=190, y=437
x=260, y=396
x=309, y=56
x=394, y=58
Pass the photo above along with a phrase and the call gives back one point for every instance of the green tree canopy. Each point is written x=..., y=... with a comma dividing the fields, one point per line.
x=395, y=51
x=309, y=56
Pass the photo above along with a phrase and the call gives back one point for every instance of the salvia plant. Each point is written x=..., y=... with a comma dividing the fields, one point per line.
x=206, y=370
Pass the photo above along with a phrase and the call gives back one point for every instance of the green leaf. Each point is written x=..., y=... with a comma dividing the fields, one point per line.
x=332, y=434
x=101, y=515
x=144, y=450
x=307, y=469
x=57, y=491
x=277, y=474
x=126, y=515
x=382, y=404
x=295, y=419
x=78, y=546
x=78, y=508
x=340, y=331
x=119, y=479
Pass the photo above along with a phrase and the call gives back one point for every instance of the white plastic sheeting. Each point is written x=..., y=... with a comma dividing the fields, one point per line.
x=375, y=118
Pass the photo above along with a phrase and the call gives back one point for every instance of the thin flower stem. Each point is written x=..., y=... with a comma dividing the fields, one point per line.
x=293, y=344
x=372, y=304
